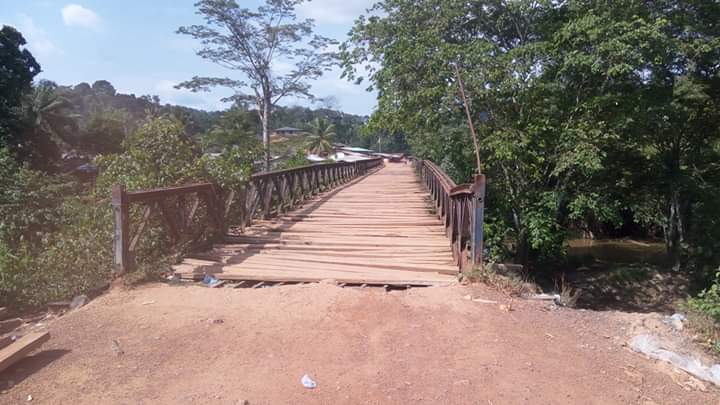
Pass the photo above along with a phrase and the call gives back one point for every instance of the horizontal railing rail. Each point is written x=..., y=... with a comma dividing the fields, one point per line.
x=195, y=215
x=460, y=208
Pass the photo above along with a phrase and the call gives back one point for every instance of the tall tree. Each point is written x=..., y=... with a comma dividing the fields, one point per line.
x=254, y=43
x=17, y=70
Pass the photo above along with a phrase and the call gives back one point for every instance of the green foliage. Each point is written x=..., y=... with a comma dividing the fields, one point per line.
x=321, y=136
x=297, y=160
x=158, y=154
x=585, y=110
x=51, y=246
x=17, y=70
x=29, y=202
x=708, y=301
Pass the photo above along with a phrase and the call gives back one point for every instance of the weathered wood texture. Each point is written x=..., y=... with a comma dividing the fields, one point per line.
x=375, y=230
x=20, y=348
x=193, y=216
x=461, y=209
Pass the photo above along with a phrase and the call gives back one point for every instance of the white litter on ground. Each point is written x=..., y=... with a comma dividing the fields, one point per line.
x=651, y=347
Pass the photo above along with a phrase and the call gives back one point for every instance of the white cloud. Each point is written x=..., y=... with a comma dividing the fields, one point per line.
x=37, y=39
x=75, y=15
x=334, y=11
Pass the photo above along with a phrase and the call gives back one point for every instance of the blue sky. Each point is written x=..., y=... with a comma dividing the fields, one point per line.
x=132, y=43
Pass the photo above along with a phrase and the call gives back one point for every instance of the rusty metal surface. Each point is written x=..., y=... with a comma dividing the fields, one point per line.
x=460, y=207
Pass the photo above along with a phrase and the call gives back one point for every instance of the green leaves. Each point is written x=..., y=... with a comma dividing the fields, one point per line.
x=592, y=107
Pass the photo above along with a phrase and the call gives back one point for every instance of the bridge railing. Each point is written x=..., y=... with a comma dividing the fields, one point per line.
x=461, y=209
x=196, y=215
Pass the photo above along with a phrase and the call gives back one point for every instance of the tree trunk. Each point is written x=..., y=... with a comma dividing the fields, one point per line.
x=522, y=250
x=674, y=231
x=266, y=134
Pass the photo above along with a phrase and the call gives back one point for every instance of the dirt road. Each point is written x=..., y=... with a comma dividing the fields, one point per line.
x=426, y=345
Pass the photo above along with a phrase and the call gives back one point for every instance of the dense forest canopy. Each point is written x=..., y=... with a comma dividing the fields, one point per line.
x=592, y=115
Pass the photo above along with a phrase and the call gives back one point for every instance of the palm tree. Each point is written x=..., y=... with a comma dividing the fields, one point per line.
x=48, y=115
x=320, y=139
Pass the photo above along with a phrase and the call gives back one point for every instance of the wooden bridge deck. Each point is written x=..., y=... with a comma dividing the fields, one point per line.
x=375, y=230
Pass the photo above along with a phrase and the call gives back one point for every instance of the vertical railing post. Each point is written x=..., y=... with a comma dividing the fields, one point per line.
x=121, y=240
x=478, y=212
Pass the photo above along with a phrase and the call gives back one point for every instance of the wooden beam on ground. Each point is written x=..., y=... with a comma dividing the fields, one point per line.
x=5, y=341
x=21, y=348
x=9, y=325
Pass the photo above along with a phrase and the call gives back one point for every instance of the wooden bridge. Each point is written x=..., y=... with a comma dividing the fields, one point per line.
x=361, y=223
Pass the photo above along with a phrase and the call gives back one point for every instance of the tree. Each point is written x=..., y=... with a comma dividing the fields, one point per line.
x=49, y=123
x=586, y=110
x=17, y=70
x=532, y=159
x=320, y=139
x=254, y=43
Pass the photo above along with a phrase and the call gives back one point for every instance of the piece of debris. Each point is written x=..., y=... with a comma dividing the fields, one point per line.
x=78, y=302
x=29, y=398
x=116, y=348
x=21, y=347
x=544, y=297
x=212, y=282
x=484, y=301
x=308, y=382
x=215, y=321
x=677, y=321
x=148, y=302
x=651, y=347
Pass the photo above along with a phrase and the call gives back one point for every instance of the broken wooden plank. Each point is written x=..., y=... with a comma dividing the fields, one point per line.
x=21, y=348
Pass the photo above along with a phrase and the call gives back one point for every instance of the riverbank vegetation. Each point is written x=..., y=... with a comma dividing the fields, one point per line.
x=597, y=118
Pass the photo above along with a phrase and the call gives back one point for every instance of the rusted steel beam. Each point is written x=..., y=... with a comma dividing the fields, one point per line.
x=160, y=193
x=460, y=207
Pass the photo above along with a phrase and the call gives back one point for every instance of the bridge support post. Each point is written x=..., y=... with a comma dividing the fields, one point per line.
x=121, y=238
x=478, y=212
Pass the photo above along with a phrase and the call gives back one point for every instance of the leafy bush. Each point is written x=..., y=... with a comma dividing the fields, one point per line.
x=56, y=242
x=708, y=300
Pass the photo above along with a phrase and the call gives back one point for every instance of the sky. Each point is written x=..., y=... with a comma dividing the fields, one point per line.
x=133, y=44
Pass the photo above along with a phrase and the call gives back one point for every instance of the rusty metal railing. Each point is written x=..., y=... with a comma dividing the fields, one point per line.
x=461, y=209
x=178, y=210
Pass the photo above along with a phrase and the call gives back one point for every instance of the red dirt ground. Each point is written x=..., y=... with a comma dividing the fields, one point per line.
x=188, y=344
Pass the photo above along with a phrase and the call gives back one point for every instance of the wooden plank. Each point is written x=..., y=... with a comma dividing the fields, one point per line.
x=377, y=230
x=9, y=325
x=21, y=348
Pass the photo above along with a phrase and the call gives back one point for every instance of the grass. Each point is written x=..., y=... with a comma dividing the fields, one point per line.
x=512, y=285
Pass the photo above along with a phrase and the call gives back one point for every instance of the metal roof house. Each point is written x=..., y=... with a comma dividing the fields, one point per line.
x=285, y=131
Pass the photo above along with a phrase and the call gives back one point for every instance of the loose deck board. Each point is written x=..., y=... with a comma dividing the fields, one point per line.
x=20, y=348
x=376, y=231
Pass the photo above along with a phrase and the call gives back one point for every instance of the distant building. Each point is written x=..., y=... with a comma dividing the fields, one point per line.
x=286, y=131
